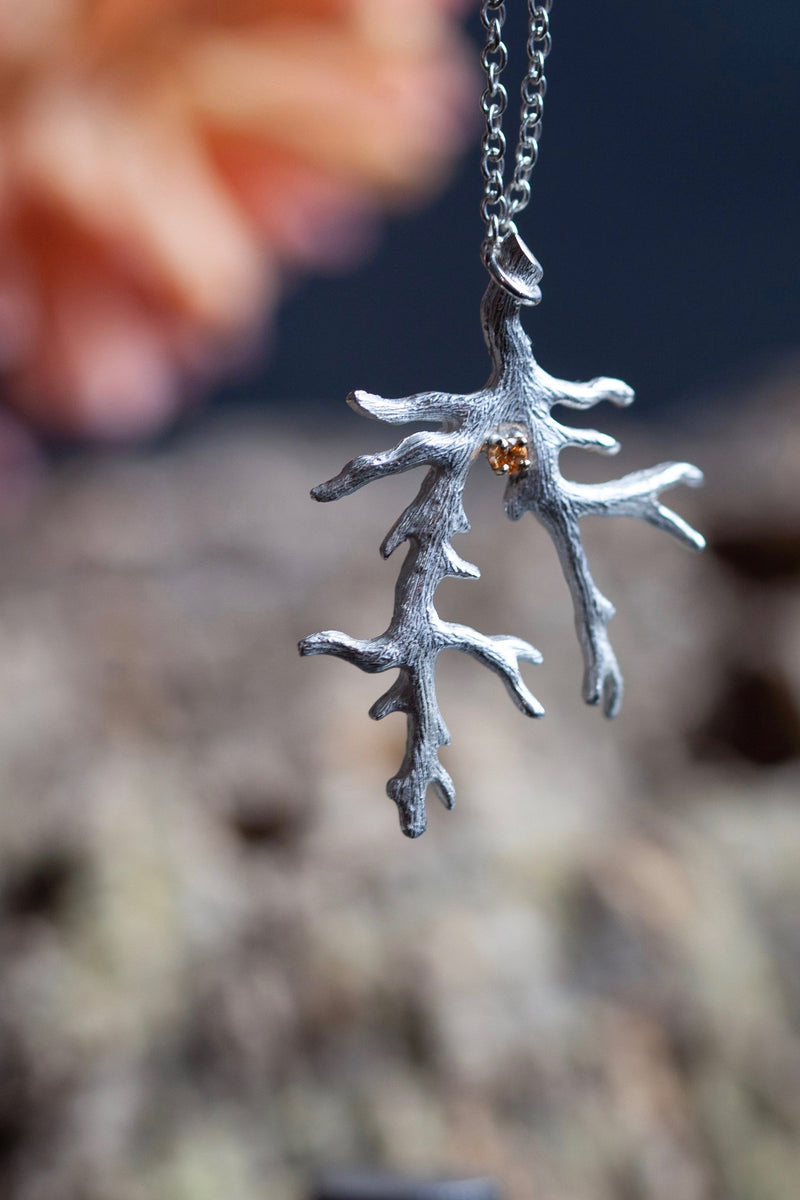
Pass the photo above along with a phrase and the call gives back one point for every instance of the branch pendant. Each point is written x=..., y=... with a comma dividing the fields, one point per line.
x=510, y=419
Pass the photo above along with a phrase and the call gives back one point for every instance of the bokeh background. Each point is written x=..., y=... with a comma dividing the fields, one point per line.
x=222, y=968
x=664, y=213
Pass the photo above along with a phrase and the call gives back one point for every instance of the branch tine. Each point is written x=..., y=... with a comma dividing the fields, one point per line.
x=425, y=406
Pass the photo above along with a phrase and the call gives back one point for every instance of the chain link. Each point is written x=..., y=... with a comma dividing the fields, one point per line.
x=500, y=204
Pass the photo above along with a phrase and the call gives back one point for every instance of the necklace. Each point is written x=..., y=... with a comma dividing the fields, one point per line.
x=510, y=421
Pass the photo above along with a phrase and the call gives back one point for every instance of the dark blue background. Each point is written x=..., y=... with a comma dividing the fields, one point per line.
x=665, y=214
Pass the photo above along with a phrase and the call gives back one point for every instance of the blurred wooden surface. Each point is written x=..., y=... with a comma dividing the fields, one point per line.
x=357, y=1186
x=585, y=981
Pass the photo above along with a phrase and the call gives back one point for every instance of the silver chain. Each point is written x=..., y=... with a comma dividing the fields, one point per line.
x=500, y=204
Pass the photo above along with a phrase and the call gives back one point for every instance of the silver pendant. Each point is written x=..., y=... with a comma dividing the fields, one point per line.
x=510, y=420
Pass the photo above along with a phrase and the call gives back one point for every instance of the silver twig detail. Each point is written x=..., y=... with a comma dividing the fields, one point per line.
x=517, y=398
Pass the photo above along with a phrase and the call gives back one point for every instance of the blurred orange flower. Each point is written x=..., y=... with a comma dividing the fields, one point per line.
x=162, y=162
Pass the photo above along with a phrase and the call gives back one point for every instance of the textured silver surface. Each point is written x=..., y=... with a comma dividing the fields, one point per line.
x=519, y=394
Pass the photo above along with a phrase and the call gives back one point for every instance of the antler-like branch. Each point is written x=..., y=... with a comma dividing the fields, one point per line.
x=586, y=395
x=413, y=451
x=416, y=635
x=425, y=406
x=502, y=654
x=517, y=400
x=637, y=495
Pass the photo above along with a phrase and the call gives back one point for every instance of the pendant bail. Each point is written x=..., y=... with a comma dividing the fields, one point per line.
x=512, y=265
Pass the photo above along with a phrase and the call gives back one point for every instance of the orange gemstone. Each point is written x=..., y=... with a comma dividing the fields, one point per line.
x=508, y=455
